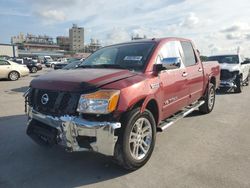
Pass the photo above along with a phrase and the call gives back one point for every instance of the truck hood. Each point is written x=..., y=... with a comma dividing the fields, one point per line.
x=79, y=79
x=230, y=67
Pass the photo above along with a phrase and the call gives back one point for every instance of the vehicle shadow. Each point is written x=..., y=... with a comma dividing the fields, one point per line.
x=25, y=163
x=34, y=76
x=20, y=89
x=225, y=93
x=4, y=79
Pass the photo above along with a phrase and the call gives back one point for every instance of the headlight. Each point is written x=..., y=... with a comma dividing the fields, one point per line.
x=100, y=102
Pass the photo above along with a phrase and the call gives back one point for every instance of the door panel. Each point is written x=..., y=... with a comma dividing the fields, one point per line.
x=4, y=71
x=195, y=82
x=5, y=68
x=175, y=91
x=195, y=78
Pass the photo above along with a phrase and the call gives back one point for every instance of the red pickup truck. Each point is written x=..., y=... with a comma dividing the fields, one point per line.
x=119, y=97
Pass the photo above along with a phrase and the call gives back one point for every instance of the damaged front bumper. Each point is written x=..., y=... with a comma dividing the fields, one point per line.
x=227, y=84
x=67, y=131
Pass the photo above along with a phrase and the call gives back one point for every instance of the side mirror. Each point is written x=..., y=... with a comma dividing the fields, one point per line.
x=171, y=63
x=158, y=68
x=245, y=62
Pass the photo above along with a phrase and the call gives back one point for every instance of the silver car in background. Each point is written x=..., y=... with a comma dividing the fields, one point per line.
x=11, y=70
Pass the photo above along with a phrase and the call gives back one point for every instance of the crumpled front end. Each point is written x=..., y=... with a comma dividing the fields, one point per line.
x=228, y=79
x=72, y=132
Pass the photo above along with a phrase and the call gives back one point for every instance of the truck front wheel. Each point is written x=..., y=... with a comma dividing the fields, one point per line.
x=239, y=84
x=209, y=99
x=136, y=140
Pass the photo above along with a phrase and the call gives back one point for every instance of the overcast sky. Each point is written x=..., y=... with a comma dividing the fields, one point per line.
x=216, y=26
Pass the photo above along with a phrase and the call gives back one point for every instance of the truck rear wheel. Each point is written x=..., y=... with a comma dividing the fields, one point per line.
x=136, y=140
x=209, y=99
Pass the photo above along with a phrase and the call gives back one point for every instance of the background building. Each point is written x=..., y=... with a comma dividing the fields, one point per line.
x=30, y=45
x=8, y=50
x=39, y=39
x=93, y=46
x=63, y=43
x=76, y=38
x=20, y=38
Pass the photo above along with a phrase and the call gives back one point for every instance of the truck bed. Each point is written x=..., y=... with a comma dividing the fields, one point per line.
x=212, y=68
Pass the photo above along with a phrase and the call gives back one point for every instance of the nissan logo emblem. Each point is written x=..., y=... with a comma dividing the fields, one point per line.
x=45, y=99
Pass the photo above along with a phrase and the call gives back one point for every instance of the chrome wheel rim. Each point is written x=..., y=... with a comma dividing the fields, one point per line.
x=13, y=76
x=140, y=138
x=33, y=69
x=211, y=98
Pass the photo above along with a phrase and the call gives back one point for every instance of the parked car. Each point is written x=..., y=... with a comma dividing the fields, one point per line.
x=18, y=60
x=53, y=63
x=234, y=71
x=47, y=58
x=12, y=70
x=72, y=65
x=60, y=65
x=32, y=65
x=119, y=97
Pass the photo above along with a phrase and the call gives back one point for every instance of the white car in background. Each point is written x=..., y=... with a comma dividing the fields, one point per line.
x=53, y=63
x=234, y=71
x=12, y=71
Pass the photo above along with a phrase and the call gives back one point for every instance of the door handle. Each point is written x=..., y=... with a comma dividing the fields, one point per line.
x=200, y=69
x=184, y=74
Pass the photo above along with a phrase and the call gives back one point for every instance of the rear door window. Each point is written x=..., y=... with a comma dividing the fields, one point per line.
x=2, y=62
x=189, y=56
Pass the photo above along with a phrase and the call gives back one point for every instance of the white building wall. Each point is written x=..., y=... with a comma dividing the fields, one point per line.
x=8, y=50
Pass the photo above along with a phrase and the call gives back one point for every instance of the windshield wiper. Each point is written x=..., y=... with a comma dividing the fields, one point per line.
x=116, y=66
x=85, y=66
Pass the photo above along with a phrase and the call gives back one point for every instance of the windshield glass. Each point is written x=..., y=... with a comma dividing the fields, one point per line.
x=230, y=59
x=126, y=56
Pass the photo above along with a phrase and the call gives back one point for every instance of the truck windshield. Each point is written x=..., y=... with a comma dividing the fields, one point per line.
x=230, y=59
x=131, y=56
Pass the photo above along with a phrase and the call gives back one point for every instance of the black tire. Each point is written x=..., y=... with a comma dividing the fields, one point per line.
x=123, y=154
x=13, y=76
x=247, y=81
x=33, y=70
x=209, y=99
x=239, y=85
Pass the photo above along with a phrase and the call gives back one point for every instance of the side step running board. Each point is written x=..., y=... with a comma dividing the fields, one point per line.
x=171, y=120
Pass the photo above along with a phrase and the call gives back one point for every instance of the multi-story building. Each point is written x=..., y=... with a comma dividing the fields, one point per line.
x=76, y=38
x=20, y=38
x=63, y=43
x=39, y=39
x=35, y=45
x=93, y=46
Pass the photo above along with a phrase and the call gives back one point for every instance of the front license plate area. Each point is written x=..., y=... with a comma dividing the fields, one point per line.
x=42, y=134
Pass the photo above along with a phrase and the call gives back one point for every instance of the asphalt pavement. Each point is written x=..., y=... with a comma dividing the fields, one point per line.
x=198, y=151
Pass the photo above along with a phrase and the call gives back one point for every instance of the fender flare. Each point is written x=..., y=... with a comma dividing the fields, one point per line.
x=145, y=103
